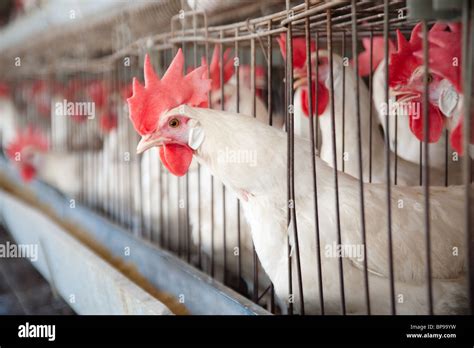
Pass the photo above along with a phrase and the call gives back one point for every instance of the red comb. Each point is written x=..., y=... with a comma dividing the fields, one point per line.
x=108, y=121
x=377, y=56
x=403, y=63
x=444, y=49
x=149, y=102
x=98, y=92
x=405, y=60
x=299, y=50
x=29, y=138
x=4, y=90
x=215, y=67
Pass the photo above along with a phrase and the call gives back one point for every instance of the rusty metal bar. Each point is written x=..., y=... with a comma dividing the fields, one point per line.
x=316, y=104
x=343, y=101
x=359, y=151
x=426, y=166
x=199, y=213
x=288, y=91
x=254, y=114
x=270, y=122
x=313, y=160
x=371, y=93
x=224, y=229
x=467, y=72
x=292, y=222
x=387, y=163
x=237, y=109
x=334, y=150
x=187, y=227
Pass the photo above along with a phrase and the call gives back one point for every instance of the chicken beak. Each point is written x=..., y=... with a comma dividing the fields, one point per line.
x=149, y=141
x=300, y=82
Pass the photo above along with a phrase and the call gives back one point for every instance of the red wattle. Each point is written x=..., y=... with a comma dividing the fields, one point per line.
x=177, y=158
x=436, y=123
x=323, y=98
x=27, y=172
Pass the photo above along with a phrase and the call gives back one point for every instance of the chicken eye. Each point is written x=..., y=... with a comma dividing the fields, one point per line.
x=173, y=123
x=430, y=78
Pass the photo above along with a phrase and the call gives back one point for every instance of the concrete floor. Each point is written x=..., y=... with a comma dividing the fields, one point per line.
x=24, y=291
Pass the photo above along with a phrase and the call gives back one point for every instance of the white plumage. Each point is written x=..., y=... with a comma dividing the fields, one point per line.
x=212, y=228
x=263, y=198
x=407, y=171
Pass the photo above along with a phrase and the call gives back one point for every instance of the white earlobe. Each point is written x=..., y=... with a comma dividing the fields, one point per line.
x=196, y=137
x=448, y=100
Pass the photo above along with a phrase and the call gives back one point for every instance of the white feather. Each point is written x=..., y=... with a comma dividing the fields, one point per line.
x=266, y=212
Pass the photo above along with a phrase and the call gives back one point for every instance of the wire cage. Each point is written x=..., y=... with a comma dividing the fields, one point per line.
x=257, y=70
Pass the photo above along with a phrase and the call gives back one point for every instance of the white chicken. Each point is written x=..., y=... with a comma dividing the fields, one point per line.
x=28, y=150
x=212, y=213
x=372, y=141
x=209, y=226
x=36, y=157
x=8, y=113
x=230, y=88
x=182, y=132
x=402, y=121
x=164, y=197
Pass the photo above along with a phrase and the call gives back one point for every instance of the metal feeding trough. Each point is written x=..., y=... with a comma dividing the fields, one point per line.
x=196, y=291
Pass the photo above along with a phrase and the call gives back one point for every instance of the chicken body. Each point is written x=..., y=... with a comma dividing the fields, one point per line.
x=162, y=192
x=347, y=114
x=211, y=221
x=372, y=140
x=55, y=168
x=8, y=113
x=264, y=200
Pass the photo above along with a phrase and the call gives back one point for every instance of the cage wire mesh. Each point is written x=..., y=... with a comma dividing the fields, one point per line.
x=260, y=69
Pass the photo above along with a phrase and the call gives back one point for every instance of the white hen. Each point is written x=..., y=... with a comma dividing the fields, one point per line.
x=182, y=132
x=264, y=199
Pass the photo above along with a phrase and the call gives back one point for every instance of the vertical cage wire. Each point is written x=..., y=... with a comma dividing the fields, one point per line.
x=467, y=63
x=313, y=156
x=343, y=99
x=426, y=160
x=387, y=159
x=292, y=221
x=224, y=232
x=254, y=114
x=359, y=154
x=237, y=110
x=371, y=92
x=334, y=151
